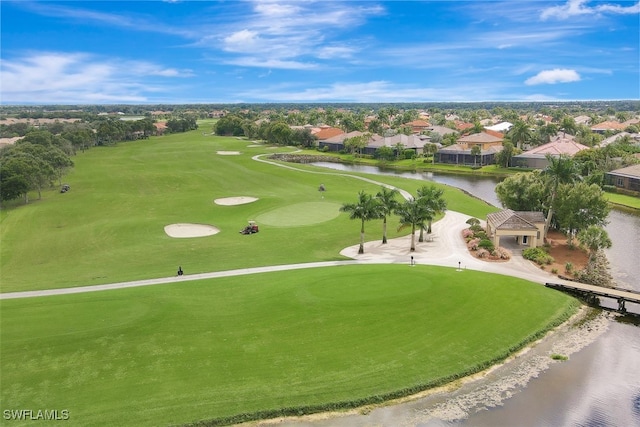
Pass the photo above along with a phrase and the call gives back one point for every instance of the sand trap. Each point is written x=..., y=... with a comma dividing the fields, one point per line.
x=190, y=230
x=254, y=145
x=232, y=201
x=228, y=153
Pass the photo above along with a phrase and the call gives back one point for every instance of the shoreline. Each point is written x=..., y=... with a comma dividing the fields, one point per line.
x=458, y=400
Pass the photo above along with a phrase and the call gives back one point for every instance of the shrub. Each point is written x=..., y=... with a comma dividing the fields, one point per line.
x=597, y=271
x=568, y=267
x=476, y=228
x=483, y=253
x=556, y=356
x=481, y=234
x=554, y=270
x=502, y=253
x=609, y=188
x=473, y=221
x=537, y=255
x=467, y=234
x=473, y=244
x=486, y=244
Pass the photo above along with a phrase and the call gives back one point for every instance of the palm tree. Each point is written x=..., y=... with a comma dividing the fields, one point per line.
x=594, y=238
x=365, y=209
x=387, y=204
x=432, y=197
x=475, y=152
x=568, y=125
x=412, y=213
x=560, y=170
x=520, y=133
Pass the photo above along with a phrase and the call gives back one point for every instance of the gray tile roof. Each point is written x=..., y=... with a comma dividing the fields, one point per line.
x=515, y=220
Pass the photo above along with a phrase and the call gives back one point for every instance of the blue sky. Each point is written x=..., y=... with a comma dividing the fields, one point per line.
x=147, y=52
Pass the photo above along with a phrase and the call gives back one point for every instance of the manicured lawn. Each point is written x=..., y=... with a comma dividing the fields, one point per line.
x=179, y=353
x=623, y=200
x=110, y=226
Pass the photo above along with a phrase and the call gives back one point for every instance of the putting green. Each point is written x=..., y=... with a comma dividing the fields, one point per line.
x=300, y=214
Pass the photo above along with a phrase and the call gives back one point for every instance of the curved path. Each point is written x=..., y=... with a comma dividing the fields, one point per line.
x=445, y=247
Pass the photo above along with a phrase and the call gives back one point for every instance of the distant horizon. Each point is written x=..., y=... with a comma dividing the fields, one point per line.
x=578, y=101
x=337, y=51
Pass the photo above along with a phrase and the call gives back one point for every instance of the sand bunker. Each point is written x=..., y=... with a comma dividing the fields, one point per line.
x=232, y=201
x=190, y=230
x=228, y=153
x=254, y=145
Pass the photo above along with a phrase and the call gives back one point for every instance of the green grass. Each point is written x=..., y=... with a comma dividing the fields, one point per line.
x=302, y=339
x=110, y=226
x=623, y=200
x=242, y=347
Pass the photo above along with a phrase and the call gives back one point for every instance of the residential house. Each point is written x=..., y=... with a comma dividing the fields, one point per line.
x=408, y=142
x=608, y=126
x=441, y=130
x=462, y=126
x=582, y=120
x=627, y=178
x=634, y=137
x=536, y=158
x=526, y=226
x=161, y=128
x=336, y=142
x=418, y=126
x=460, y=153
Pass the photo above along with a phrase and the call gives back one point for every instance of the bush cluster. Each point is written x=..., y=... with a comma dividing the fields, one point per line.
x=478, y=241
x=537, y=255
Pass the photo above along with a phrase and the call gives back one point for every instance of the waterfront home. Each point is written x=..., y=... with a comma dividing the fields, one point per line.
x=626, y=178
x=461, y=152
x=407, y=142
x=536, y=158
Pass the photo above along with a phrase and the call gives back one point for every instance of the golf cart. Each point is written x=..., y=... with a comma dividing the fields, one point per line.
x=250, y=229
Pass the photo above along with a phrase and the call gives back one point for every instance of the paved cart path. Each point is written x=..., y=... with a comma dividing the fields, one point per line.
x=445, y=247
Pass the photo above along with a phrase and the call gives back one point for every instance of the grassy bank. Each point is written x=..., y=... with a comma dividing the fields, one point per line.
x=623, y=201
x=241, y=348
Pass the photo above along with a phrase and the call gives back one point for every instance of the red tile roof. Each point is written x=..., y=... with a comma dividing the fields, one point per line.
x=329, y=133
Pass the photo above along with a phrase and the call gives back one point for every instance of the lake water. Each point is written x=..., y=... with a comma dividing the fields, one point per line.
x=598, y=386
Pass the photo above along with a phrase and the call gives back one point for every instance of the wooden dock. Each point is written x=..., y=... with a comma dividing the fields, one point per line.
x=591, y=293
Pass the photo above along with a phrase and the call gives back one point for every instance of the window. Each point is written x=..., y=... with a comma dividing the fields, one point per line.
x=620, y=182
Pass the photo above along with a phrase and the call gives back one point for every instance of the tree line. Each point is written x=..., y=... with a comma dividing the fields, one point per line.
x=43, y=154
x=33, y=163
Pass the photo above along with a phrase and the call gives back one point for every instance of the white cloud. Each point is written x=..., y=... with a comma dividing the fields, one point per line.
x=373, y=91
x=329, y=52
x=57, y=77
x=286, y=31
x=271, y=63
x=579, y=7
x=556, y=75
x=240, y=39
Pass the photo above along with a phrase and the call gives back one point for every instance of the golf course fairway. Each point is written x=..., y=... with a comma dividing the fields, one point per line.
x=239, y=348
